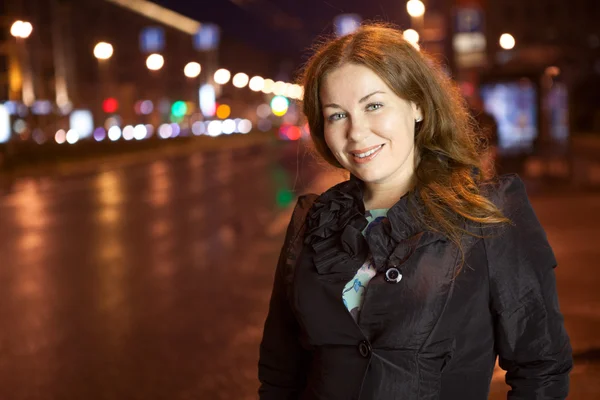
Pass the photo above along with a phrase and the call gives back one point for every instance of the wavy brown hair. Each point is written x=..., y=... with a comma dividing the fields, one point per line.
x=448, y=172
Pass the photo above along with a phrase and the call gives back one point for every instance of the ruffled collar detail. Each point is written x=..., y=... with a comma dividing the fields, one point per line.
x=337, y=218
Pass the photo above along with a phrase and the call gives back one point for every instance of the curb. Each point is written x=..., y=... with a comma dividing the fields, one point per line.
x=113, y=161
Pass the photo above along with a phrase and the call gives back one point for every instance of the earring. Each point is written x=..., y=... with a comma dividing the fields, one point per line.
x=419, y=119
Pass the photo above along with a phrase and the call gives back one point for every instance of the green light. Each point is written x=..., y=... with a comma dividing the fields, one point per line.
x=179, y=109
x=284, y=198
x=279, y=105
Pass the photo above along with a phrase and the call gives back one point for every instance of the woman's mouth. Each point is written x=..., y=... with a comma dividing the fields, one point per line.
x=365, y=155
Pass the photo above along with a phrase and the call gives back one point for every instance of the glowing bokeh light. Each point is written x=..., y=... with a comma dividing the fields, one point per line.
x=240, y=80
x=155, y=61
x=206, y=96
x=244, y=126
x=268, y=86
x=103, y=51
x=293, y=91
x=110, y=105
x=61, y=136
x=128, y=132
x=198, y=128
x=411, y=36
x=72, y=136
x=140, y=132
x=263, y=111
x=279, y=88
x=146, y=107
x=99, y=134
x=415, y=8
x=82, y=121
x=280, y=105
x=507, y=41
x=222, y=76
x=165, y=131
x=179, y=109
x=214, y=128
x=114, y=133
x=21, y=29
x=257, y=83
x=175, y=129
x=223, y=111
x=192, y=69
x=4, y=124
x=228, y=126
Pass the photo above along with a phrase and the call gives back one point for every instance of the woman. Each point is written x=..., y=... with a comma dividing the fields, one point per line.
x=413, y=275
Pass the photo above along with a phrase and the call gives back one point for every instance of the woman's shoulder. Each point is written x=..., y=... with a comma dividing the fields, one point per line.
x=301, y=210
x=305, y=201
x=507, y=192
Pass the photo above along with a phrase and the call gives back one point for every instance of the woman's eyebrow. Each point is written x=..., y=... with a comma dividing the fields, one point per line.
x=362, y=100
x=365, y=98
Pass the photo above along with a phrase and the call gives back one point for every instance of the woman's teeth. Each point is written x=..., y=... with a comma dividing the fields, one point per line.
x=368, y=153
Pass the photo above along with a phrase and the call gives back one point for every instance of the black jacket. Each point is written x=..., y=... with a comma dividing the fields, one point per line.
x=433, y=335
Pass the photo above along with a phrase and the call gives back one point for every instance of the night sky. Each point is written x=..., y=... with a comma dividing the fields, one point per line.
x=284, y=27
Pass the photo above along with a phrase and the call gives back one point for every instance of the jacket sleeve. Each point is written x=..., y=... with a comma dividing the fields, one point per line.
x=531, y=341
x=283, y=362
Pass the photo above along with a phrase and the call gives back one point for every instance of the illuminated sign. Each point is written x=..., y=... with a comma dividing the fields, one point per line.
x=207, y=37
x=152, y=39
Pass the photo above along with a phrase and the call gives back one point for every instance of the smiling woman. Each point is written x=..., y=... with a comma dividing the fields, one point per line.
x=372, y=296
x=370, y=131
x=446, y=164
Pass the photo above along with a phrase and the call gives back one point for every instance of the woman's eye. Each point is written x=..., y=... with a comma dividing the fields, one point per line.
x=336, y=117
x=374, y=106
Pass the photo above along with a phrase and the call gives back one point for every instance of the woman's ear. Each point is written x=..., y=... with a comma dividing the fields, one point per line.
x=417, y=113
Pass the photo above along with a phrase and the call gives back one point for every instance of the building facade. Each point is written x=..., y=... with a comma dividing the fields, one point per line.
x=58, y=64
x=553, y=33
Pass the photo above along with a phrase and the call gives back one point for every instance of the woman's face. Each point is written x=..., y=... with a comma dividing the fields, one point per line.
x=368, y=128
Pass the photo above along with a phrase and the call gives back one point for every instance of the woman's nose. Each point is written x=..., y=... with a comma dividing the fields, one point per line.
x=358, y=130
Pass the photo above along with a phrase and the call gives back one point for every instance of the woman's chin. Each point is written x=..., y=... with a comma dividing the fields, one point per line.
x=367, y=175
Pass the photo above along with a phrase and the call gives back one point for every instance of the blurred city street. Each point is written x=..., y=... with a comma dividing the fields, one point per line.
x=152, y=281
x=152, y=151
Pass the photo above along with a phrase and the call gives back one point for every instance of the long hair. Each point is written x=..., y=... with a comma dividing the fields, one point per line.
x=448, y=150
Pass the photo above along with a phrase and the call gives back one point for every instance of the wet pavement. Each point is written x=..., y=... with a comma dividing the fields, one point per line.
x=147, y=282
x=152, y=281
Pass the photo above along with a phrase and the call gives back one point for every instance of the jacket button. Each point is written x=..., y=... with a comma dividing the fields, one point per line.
x=364, y=348
x=393, y=275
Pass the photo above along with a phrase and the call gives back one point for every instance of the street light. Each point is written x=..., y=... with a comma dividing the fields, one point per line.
x=507, y=41
x=192, y=69
x=21, y=29
x=415, y=8
x=279, y=88
x=411, y=36
x=257, y=83
x=103, y=51
x=240, y=80
x=222, y=76
x=268, y=85
x=155, y=61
